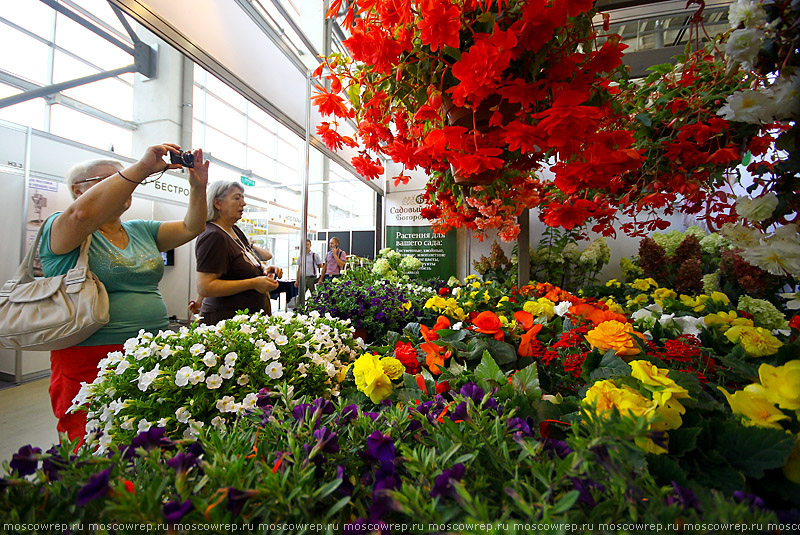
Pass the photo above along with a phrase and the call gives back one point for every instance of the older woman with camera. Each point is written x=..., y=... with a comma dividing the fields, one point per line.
x=230, y=276
x=124, y=255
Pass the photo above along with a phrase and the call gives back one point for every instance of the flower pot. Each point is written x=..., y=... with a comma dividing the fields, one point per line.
x=477, y=119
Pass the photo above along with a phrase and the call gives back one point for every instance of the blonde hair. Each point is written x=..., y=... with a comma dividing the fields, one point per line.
x=84, y=170
x=217, y=190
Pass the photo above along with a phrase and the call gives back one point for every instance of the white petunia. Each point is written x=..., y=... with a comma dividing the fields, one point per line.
x=793, y=302
x=166, y=351
x=146, y=379
x=281, y=340
x=193, y=431
x=130, y=344
x=105, y=440
x=183, y=375
x=269, y=352
x=274, y=370
x=225, y=372
x=196, y=349
x=197, y=376
x=757, y=209
x=141, y=353
x=246, y=329
x=243, y=380
x=230, y=358
x=249, y=401
x=127, y=425
x=214, y=381
x=218, y=422
x=210, y=359
x=162, y=422
x=182, y=415
x=226, y=404
x=122, y=366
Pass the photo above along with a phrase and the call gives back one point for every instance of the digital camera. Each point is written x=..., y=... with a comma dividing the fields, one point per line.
x=184, y=158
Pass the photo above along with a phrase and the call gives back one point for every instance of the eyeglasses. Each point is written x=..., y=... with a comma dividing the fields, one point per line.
x=85, y=180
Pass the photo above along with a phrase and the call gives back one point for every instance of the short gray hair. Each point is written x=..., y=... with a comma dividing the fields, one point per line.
x=217, y=190
x=84, y=170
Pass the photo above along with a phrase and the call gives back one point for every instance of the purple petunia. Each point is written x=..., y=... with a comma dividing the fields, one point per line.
x=754, y=501
x=300, y=411
x=174, y=511
x=324, y=406
x=237, y=498
x=380, y=447
x=684, y=497
x=558, y=447
x=442, y=485
x=521, y=425
x=96, y=487
x=182, y=462
x=153, y=438
x=53, y=464
x=584, y=488
x=345, y=487
x=349, y=413
x=26, y=460
x=327, y=441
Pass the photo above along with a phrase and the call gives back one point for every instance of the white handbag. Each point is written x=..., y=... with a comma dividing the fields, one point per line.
x=51, y=313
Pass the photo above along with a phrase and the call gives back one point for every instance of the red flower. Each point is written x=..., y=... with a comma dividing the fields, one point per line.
x=329, y=103
x=129, y=486
x=487, y=322
x=526, y=343
x=439, y=24
x=568, y=215
x=525, y=319
x=407, y=355
x=795, y=323
x=366, y=167
x=444, y=291
x=442, y=387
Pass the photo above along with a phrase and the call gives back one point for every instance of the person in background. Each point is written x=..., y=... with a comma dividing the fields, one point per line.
x=313, y=265
x=335, y=260
x=229, y=275
x=125, y=256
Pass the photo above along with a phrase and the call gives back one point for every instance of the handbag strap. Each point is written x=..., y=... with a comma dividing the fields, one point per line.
x=25, y=271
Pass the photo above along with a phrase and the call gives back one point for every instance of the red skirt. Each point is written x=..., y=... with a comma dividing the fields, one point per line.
x=70, y=367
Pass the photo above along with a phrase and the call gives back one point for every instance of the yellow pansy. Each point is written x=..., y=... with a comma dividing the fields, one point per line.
x=753, y=404
x=503, y=320
x=371, y=379
x=470, y=277
x=473, y=294
x=485, y=297
x=782, y=384
x=502, y=300
x=698, y=304
x=607, y=396
x=392, y=367
x=719, y=297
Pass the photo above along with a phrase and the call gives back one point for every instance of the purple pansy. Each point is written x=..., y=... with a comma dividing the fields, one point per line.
x=752, y=499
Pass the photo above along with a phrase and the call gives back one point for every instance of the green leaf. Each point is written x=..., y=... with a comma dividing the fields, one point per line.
x=489, y=371
x=663, y=68
x=610, y=366
x=455, y=368
x=527, y=381
x=449, y=335
x=337, y=506
x=683, y=439
x=565, y=503
x=502, y=352
x=327, y=488
x=477, y=347
x=645, y=119
x=590, y=363
x=411, y=331
x=753, y=449
x=664, y=470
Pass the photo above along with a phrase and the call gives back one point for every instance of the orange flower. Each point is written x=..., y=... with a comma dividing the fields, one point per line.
x=427, y=333
x=525, y=342
x=596, y=315
x=615, y=335
x=441, y=323
x=434, y=357
x=525, y=319
x=487, y=322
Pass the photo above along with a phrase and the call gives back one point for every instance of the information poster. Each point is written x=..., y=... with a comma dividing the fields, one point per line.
x=410, y=234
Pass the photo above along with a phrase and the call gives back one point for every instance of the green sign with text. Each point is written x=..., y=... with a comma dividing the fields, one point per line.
x=247, y=181
x=436, y=252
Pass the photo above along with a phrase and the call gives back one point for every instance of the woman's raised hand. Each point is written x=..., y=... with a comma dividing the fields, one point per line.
x=198, y=175
x=153, y=159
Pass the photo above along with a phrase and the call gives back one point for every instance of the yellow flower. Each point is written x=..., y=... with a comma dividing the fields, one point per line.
x=371, y=378
x=644, y=284
x=725, y=319
x=756, y=341
x=540, y=308
x=406, y=305
x=755, y=407
x=470, y=277
x=502, y=300
x=719, y=297
x=341, y=375
x=792, y=467
x=782, y=384
x=476, y=284
x=608, y=396
x=664, y=389
x=488, y=283
x=473, y=294
x=670, y=416
x=614, y=335
x=485, y=297
x=697, y=304
x=503, y=320
x=392, y=367
x=613, y=282
x=614, y=307
x=661, y=294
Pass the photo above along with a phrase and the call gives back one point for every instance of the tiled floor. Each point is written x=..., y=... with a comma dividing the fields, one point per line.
x=26, y=418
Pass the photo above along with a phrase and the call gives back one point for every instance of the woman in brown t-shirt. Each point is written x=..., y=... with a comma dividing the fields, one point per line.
x=229, y=275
